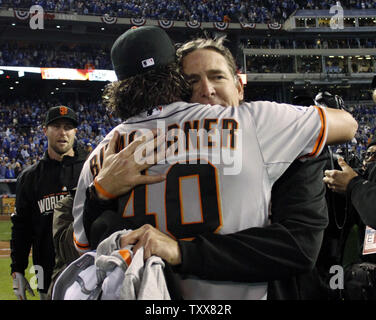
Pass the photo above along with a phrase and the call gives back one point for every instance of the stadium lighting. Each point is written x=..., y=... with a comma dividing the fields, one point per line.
x=64, y=73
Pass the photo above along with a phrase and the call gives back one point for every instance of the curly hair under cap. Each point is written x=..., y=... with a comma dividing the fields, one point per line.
x=144, y=92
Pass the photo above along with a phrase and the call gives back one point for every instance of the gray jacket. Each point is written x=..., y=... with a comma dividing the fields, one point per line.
x=112, y=273
x=140, y=281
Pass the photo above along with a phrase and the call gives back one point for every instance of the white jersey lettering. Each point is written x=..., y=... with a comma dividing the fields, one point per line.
x=49, y=203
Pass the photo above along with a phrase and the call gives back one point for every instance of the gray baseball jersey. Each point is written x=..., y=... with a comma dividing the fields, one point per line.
x=220, y=177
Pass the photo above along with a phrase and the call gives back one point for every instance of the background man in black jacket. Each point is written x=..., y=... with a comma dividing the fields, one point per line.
x=39, y=189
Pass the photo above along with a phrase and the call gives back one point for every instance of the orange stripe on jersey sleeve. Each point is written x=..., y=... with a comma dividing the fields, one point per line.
x=80, y=245
x=320, y=139
x=126, y=255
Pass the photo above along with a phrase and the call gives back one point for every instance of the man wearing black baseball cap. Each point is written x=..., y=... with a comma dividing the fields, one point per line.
x=141, y=50
x=39, y=189
x=145, y=63
x=60, y=128
x=61, y=112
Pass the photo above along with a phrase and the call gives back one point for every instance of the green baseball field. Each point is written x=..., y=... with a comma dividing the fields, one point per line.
x=6, y=291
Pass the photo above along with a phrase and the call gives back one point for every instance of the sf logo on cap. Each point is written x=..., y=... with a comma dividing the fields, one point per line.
x=147, y=63
x=63, y=111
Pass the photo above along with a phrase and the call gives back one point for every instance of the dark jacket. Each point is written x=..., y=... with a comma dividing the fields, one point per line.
x=283, y=250
x=39, y=189
x=362, y=193
x=62, y=233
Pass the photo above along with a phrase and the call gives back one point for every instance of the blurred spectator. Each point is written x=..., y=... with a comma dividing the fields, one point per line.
x=17, y=169
x=88, y=148
x=9, y=172
x=3, y=169
x=24, y=153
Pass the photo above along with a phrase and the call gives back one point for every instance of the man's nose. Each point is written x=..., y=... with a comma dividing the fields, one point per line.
x=207, y=88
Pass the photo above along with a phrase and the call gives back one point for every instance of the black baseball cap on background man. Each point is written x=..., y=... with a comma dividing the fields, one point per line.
x=61, y=112
x=139, y=50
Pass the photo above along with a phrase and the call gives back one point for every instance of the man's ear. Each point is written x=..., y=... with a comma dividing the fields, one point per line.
x=240, y=87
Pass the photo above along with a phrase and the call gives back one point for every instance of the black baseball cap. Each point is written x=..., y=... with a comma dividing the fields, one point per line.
x=141, y=49
x=61, y=112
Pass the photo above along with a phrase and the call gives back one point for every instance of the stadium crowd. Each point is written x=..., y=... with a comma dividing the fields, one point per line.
x=73, y=55
x=22, y=141
x=49, y=55
x=366, y=118
x=255, y=11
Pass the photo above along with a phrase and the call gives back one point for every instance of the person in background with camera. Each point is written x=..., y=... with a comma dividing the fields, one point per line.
x=358, y=184
x=331, y=251
x=359, y=189
x=351, y=194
